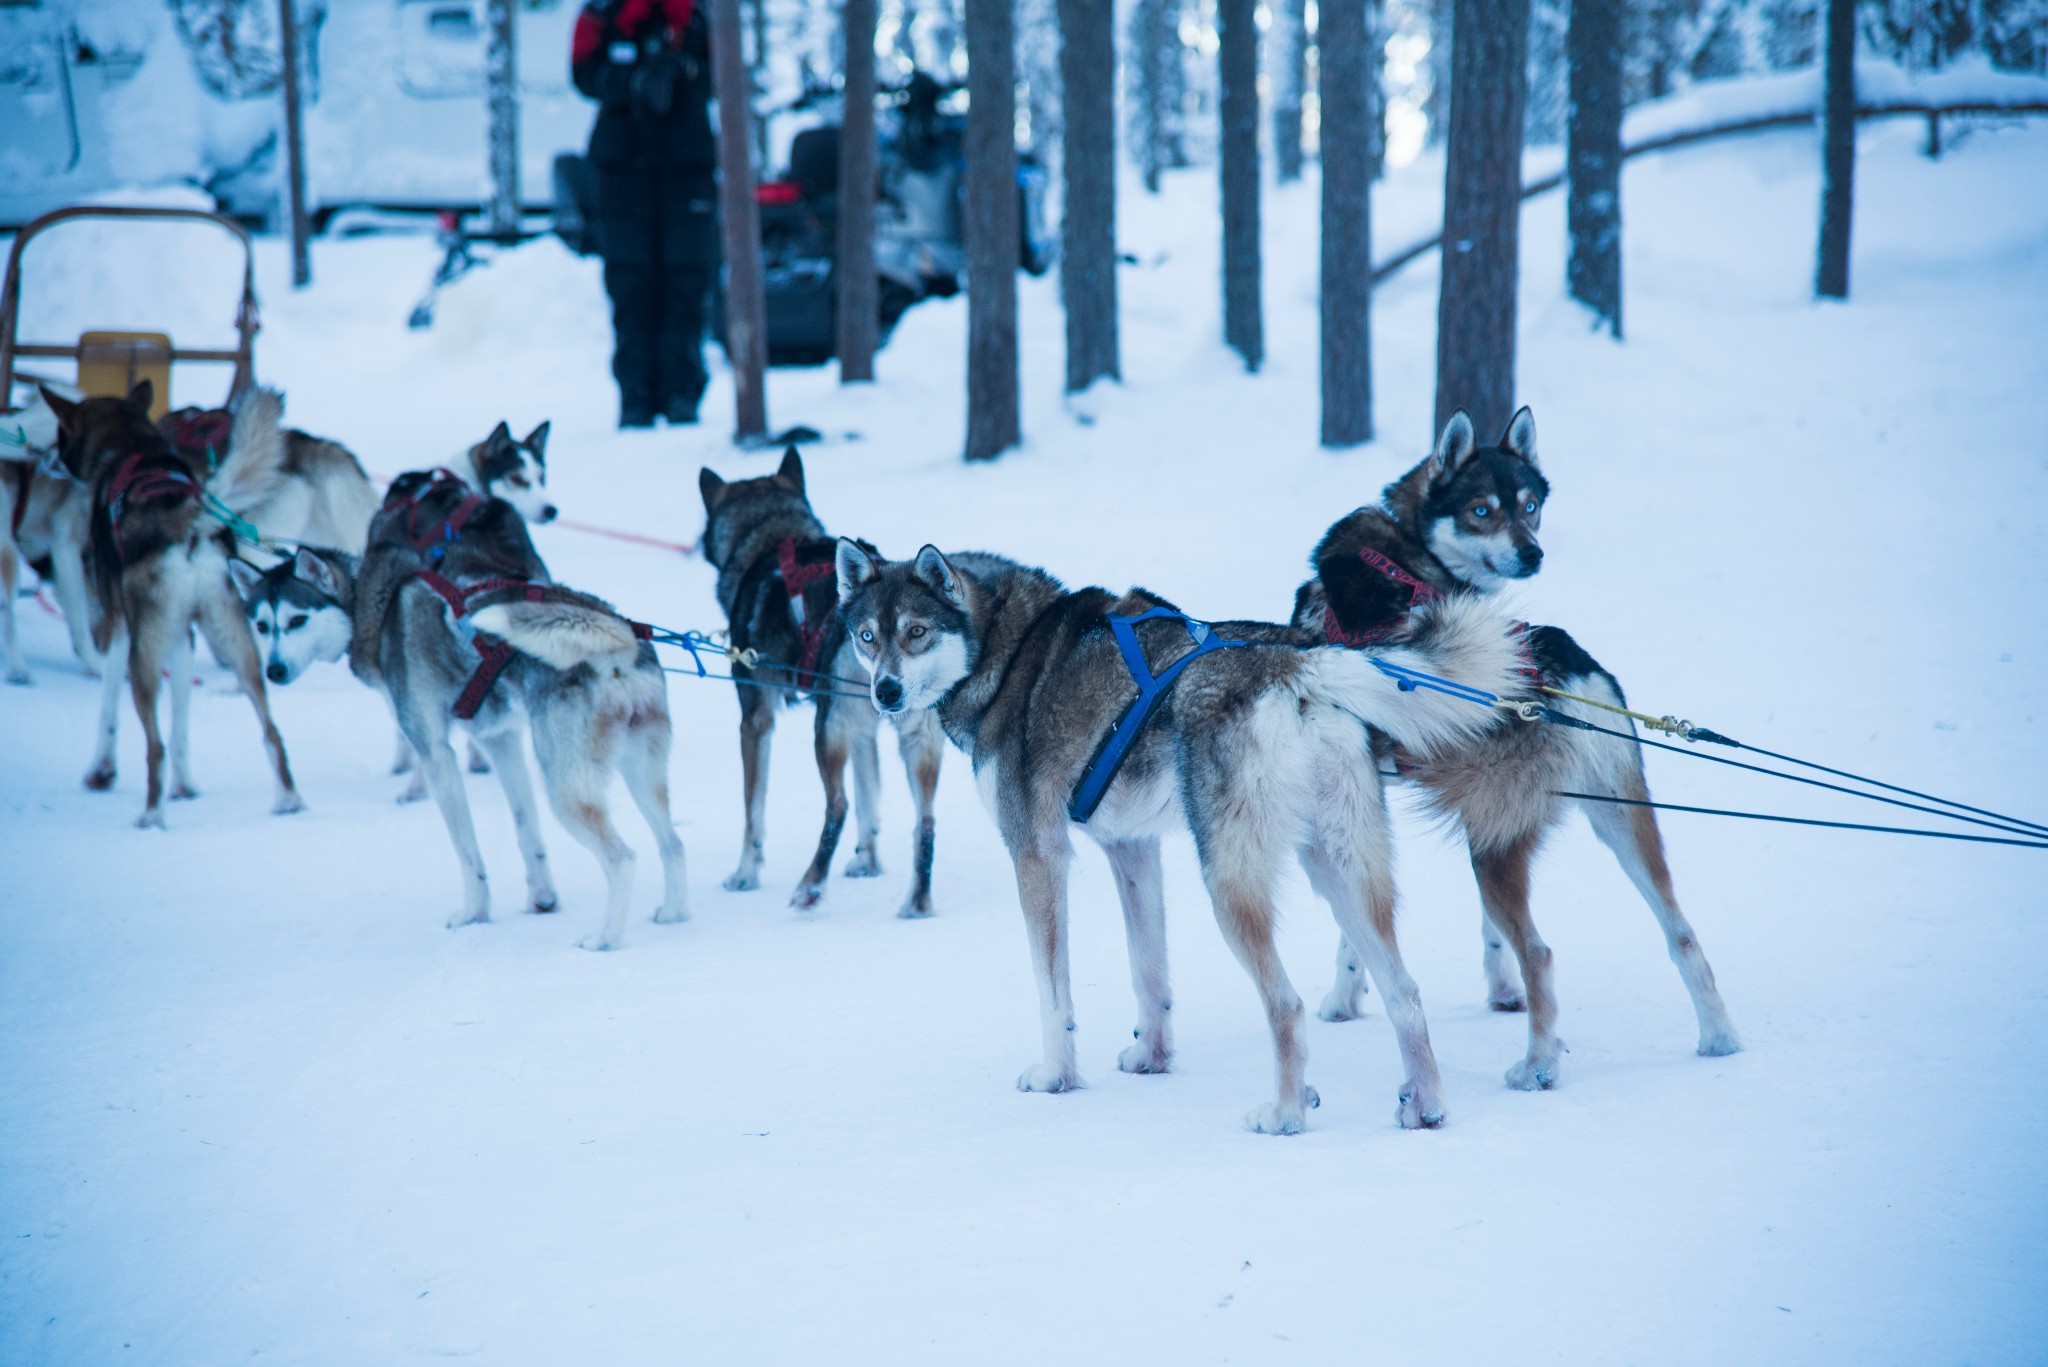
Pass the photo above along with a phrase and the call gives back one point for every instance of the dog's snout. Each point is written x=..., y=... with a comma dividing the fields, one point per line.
x=547, y=513
x=1532, y=558
x=276, y=673
x=888, y=693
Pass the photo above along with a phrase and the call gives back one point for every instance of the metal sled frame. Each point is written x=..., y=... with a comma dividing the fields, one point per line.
x=242, y=356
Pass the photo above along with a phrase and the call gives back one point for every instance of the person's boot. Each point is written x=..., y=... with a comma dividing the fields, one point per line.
x=633, y=414
x=681, y=412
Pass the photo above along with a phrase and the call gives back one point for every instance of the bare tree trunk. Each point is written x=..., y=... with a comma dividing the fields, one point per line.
x=1157, y=45
x=1838, y=151
x=1437, y=109
x=1238, y=66
x=501, y=77
x=859, y=301
x=992, y=228
x=1475, y=313
x=294, y=147
x=756, y=83
x=1088, y=229
x=746, y=310
x=1593, y=158
x=1290, y=86
x=1342, y=37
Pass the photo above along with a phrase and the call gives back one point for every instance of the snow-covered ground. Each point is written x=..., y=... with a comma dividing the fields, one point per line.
x=260, y=1104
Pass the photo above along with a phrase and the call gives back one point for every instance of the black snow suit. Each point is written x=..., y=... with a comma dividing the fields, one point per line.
x=648, y=65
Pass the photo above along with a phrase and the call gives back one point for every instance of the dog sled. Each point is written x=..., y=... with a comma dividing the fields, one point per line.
x=112, y=362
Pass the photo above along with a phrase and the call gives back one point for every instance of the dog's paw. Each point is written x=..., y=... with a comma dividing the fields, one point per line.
x=477, y=763
x=286, y=804
x=1506, y=1001
x=1144, y=1057
x=467, y=917
x=1533, y=1074
x=183, y=792
x=668, y=916
x=101, y=778
x=1273, y=1118
x=1341, y=1005
x=543, y=903
x=599, y=943
x=1719, y=1044
x=807, y=896
x=19, y=677
x=415, y=791
x=864, y=864
x=152, y=819
x=914, y=908
x=1419, y=1112
x=744, y=880
x=1045, y=1077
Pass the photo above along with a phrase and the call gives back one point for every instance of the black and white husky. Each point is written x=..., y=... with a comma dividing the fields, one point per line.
x=1464, y=522
x=775, y=582
x=419, y=626
x=1262, y=751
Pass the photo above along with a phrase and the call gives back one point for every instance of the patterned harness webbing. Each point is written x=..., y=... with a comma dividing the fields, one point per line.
x=147, y=477
x=433, y=540
x=199, y=433
x=1419, y=594
x=493, y=654
x=797, y=577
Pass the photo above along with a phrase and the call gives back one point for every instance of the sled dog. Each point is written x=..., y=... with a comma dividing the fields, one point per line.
x=45, y=520
x=1262, y=751
x=450, y=612
x=160, y=565
x=1464, y=522
x=295, y=488
x=514, y=470
x=776, y=583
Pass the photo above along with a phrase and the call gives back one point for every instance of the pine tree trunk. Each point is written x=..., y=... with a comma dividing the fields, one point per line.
x=1088, y=230
x=992, y=228
x=1342, y=39
x=746, y=310
x=1290, y=86
x=1593, y=158
x=501, y=78
x=1437, y=109
x=1151, y=33
x=859, y=302
x=1238, y=62
x=1838, y=151
x=1475, y=313
x=295, y=147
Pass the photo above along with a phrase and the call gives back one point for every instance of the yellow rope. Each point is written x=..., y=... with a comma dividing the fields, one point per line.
x=1669, y=725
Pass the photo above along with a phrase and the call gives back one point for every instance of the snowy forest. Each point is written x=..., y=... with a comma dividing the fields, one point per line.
x=1220, y=499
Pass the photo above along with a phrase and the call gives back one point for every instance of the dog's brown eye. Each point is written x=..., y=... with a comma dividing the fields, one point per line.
x=263, y=628
x=915, y=632
x=518, y=481
x=298, y=620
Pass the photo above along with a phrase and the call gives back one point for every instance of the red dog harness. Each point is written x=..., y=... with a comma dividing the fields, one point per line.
x=199, y=433
x=449, y=527
x=1419, y=594
x=796, y=578
x=147, y=477
x=492, y=654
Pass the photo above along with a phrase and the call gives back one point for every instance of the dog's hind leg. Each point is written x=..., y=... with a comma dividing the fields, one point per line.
x=757, y=729
x=831, y=744
x=1503, y=983
x=508, y=754
x=1632, y=834
x=147, y=651
x=68, y=565
x=1346, y=999
x=10, y=567
x=576, y=783
x=1042, y=892
x=477, y=763
x=444, y=781
x=1244, y=909
x=227, y=631
x=180, y=665
x=867, y=786
x=922, y=745
x=1139, y=887
x=1503, y=876
x=113, y=673
x=645, y=767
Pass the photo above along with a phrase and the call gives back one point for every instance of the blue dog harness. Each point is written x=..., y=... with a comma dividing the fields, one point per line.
x=1151, y=688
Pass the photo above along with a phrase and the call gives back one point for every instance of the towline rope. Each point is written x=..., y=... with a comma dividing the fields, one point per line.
x=700, y=643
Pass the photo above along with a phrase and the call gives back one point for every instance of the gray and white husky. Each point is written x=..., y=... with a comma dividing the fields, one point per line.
x=1262, y=752
x=514, y=469
x=45, y=519
x=591, y=691
x=1464, y=521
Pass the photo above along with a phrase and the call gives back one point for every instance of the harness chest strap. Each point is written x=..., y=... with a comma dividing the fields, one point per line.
x=796, y=579
x=1419, y=594
x=492, y=654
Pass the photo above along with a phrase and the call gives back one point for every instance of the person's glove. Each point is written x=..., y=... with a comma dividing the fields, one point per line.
x=652, y=84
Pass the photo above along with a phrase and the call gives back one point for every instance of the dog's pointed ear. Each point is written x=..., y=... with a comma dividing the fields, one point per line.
x=1453, y=447
x=246, y=577
x=315, y=570
x=855, y=567
x=537, y=441
x=1520, y=438
x=933, y=569
x=501, y=435
x=142, y=396
x=711, y=487
x=791, y=471
x=65, y=409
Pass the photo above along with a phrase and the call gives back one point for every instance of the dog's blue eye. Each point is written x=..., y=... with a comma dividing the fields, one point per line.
x=1530, y=506
x=868, y=637
x=1481, y=511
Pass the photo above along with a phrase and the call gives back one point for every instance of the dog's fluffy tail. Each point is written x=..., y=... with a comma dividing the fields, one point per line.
x=558, y=631
x=1461, y=639
x=253, y=471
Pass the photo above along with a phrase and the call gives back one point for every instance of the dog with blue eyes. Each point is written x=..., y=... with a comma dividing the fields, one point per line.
x=1464, y=522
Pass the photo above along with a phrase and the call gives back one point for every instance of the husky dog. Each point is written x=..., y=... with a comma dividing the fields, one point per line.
x=516, y=471
x=1464, y=521
x=449, y=583
x=160, y=565
x=301, y=489
x=46, y=520
x=1261, y=751
x=776, y=584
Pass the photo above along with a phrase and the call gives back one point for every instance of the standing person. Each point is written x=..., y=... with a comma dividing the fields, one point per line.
x=648, y=65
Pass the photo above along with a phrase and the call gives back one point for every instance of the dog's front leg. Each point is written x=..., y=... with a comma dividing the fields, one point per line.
x=1346, y=998
x=227, y=631
x=1139, y=887
x=831, y=750
x=113, y=673
x=757, y=729
x=10, y=566
x=922, y=747
x=1042, y=890
x=444, y=781
x=867, y=788
x=508, y=755
x=181, y=717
